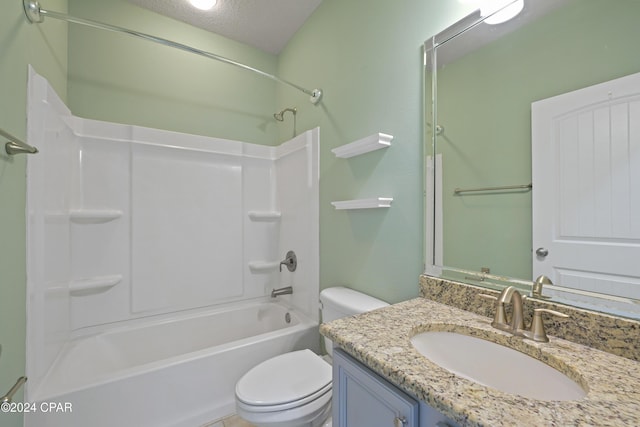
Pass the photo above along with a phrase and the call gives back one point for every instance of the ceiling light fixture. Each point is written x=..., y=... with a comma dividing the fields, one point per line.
x=501, y=11
x=203, y=4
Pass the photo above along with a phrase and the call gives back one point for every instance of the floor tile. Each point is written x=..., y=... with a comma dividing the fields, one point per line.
x=236, y=421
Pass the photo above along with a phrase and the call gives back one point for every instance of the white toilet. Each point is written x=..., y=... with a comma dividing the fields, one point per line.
x=294, y=389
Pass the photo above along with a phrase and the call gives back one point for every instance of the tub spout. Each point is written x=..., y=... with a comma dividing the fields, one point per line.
x=282, y=291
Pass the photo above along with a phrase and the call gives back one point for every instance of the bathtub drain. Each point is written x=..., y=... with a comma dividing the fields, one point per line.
x=287, y=318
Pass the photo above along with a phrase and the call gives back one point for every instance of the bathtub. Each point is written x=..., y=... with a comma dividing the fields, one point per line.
x=178, y=372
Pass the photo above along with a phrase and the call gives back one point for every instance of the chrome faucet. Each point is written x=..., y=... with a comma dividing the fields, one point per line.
x=513, y=296
x=516, y=326
x=282, y=291
x=536, y=290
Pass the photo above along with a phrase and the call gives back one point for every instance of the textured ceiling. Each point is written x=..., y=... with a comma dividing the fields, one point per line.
x=265, y=24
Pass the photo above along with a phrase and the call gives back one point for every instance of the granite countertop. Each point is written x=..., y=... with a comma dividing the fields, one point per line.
x=381, y=340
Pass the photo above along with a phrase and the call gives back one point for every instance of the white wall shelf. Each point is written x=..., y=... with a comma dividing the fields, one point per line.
x=364, y=145
x=265, y=216
x=94, y=216
x=93, y=285
x=377, y=202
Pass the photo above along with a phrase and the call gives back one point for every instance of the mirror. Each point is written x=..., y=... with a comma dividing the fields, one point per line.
x=482, y=83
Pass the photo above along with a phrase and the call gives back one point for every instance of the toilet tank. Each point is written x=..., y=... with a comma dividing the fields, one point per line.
x=340, y=302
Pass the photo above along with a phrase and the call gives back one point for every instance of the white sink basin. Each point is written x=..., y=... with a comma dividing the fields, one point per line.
x=496, y=366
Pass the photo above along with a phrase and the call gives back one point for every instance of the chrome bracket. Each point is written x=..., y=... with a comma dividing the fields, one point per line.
x=12, y=148
x=32, y=11
x=316, y=96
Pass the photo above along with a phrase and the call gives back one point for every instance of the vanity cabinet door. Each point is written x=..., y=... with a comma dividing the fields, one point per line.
x=361, y=398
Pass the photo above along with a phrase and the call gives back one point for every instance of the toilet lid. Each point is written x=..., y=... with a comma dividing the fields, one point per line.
x=285, y=378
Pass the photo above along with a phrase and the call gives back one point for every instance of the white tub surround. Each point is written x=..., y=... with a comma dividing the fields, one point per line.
x=130, y=226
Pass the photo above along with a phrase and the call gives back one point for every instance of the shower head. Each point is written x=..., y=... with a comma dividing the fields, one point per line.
x=280, y=116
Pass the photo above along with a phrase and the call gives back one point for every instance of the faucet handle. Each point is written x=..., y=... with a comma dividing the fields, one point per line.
x=499, y=318
x=537, y=332
x=290, y=261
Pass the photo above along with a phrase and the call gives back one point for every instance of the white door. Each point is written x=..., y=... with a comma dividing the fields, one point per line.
x=586, y=192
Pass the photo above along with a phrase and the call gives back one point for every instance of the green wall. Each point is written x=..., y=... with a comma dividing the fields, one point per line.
x=45, y=47
x=367, y=57
x=119, y=78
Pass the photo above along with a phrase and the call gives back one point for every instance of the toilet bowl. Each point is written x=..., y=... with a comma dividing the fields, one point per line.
x=289, y=390
x=294, y=389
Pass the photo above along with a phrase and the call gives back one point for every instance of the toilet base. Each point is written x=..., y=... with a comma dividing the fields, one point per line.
x=316, y=419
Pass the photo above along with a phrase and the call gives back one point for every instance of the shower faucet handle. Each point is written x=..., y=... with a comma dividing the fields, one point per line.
x=291, y=261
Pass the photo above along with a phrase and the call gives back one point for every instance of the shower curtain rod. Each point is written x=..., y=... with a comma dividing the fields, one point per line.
x=35, y=14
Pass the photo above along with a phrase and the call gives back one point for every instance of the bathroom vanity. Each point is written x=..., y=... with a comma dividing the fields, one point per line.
x=380, y=375
x=363, y=398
